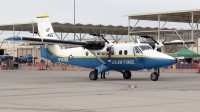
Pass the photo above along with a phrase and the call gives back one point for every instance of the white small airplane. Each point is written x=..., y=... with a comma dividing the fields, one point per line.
x=101, y=56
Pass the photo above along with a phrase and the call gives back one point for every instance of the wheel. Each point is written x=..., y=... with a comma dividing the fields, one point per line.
x=93, y=75
x=154, y=76
x=127, y=74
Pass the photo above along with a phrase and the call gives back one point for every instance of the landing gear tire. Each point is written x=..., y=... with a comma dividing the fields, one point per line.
x=93, y=75
x=154, y=76
x=127, y=74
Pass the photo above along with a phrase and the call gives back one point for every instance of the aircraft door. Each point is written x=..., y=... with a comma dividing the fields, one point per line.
x=138, y=54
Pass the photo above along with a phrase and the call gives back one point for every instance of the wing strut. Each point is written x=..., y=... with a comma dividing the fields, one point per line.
x=97, y=57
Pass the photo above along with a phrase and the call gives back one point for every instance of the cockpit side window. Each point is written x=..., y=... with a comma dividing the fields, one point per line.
x=137, y=50
x=145, y=47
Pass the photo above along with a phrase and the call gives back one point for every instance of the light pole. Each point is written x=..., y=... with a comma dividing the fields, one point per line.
x=74, y=18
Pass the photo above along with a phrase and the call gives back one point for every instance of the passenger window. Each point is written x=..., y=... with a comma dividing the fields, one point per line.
x=87, y=53
x=103, y=53
x=125, y=52
x=120, y=52
x=98, y=53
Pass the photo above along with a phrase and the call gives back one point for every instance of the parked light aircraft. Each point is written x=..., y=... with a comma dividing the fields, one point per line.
x=119, y=57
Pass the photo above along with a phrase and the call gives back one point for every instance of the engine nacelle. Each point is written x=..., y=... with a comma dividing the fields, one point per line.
x=105, y=49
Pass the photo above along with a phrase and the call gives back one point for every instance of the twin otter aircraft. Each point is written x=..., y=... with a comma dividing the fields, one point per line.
x=119, y=57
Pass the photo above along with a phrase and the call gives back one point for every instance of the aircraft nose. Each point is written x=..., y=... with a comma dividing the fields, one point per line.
x=166, y=60
x=158, y=59
x=170, y=59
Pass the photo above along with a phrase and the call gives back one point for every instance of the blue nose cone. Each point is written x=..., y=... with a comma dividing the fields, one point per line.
x=169, y=62
x=158, y=62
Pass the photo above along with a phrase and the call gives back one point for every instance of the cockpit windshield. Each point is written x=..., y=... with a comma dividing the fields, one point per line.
x=145, y=47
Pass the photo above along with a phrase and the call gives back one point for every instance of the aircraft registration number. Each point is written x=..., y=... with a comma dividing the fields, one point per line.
x=63, y=59
x=123, y=62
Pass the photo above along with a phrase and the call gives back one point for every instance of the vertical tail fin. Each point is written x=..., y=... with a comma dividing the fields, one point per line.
x=45, y=29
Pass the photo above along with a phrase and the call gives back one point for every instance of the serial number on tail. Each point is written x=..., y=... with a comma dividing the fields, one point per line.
x=63, y=59
x=123, y=62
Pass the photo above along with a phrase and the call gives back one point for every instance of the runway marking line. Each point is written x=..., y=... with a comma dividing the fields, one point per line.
x=132, y=86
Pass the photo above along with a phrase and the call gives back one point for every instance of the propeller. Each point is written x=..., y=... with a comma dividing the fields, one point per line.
x=156, y=46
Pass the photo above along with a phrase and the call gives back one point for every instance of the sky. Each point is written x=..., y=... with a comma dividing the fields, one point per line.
x=106, y=12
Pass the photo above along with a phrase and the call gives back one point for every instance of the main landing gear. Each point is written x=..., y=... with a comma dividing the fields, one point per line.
x=127, y=74
x=155, y=75
x=93, y=75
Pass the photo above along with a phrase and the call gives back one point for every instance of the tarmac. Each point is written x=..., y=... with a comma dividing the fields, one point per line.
x=72, y=91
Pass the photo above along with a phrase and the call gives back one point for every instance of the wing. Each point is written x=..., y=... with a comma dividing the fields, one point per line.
x=173, y=42
x=44, y=40
x=178, y=42
x=94, y=45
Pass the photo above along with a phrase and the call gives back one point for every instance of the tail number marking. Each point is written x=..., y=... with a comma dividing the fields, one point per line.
x=50, y=35
x=63, y=59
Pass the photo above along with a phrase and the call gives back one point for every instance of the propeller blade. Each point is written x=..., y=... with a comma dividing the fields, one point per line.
x=155, y=41
x=147, y=36
x=104, y=38
x=150, y=38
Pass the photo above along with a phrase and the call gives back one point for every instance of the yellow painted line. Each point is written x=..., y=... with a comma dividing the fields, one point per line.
x=132, y=86
x=63, y=56
x=39, y=34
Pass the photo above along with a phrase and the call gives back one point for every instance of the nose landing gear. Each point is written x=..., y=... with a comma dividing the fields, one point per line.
x=155, y=75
